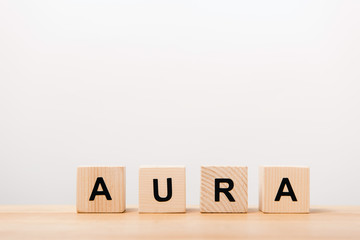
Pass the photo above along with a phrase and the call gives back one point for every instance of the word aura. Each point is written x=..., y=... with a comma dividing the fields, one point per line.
x=224, y=189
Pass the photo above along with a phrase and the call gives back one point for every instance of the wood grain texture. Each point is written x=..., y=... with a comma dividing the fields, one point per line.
x=239, y=176
x=270, y=178
x=147, y=201
x=62, y=222
x=114, y=178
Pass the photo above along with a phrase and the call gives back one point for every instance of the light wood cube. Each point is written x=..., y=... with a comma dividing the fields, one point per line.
x=224, y=189
x=162, y=189
x=100, y=189
x=284, y=189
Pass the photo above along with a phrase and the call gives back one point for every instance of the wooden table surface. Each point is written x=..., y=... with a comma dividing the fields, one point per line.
x=62, y=222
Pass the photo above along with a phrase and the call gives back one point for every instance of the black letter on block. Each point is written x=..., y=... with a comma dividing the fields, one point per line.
x=226, y=191
x=95, y=192
x=156, y=191
x=285, y=181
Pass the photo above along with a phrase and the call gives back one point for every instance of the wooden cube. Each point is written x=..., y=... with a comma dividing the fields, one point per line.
x=284, y=189
x=162, y=189
x=224, y=189
x=100, y=189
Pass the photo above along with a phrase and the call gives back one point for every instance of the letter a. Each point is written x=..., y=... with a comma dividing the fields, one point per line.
x=285, y=181
x=95, y=192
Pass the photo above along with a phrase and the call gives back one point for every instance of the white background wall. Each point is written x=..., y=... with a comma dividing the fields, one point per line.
x=187, y=82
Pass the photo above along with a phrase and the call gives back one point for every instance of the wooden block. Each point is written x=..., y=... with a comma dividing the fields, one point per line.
x=100, y=189
x=224, y=189
x=284, y=189
x=162, y=189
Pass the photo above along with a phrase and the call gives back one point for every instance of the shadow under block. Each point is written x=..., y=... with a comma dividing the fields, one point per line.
x=162, y=189
x=284, y=189
x=224, y=189
x=100, y=189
